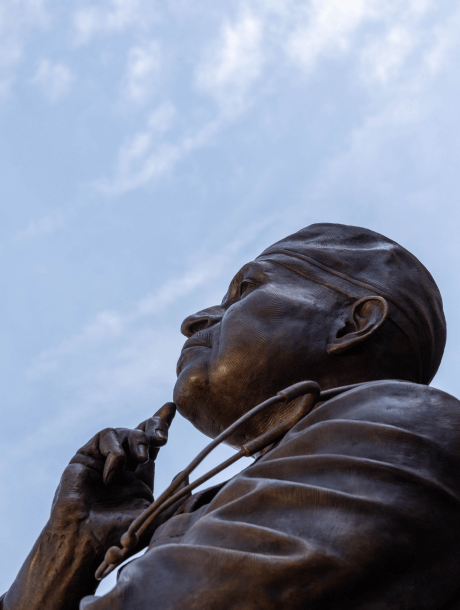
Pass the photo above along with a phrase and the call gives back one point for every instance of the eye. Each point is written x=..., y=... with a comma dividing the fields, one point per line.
x=245, y=285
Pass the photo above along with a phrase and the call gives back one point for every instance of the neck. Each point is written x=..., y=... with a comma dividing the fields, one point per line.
x=355, y=373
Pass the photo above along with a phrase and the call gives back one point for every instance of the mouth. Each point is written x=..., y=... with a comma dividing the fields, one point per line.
x=199, y=339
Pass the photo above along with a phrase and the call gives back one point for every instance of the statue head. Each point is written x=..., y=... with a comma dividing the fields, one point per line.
x=332, y=303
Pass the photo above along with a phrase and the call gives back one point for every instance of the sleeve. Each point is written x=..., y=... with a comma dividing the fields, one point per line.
x=344, y=514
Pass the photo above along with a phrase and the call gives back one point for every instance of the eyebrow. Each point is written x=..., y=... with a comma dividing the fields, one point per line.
x=236, y=280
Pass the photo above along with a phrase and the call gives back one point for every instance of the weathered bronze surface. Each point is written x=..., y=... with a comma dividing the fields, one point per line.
x=356, y=507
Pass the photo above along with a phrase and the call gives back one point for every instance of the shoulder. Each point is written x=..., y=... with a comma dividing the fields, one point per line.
x=408, y=429
x=419, y=409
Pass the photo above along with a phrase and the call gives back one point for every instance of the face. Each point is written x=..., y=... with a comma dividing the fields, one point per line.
x=270, y=331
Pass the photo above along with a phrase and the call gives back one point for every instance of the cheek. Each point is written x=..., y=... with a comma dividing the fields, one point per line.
x=245, y=333
x=257, y=332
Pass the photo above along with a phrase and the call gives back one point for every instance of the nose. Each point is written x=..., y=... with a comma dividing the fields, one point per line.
x=201, y=320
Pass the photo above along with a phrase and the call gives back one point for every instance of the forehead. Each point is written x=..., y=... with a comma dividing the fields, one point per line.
x=262, y=271
x=259, y=271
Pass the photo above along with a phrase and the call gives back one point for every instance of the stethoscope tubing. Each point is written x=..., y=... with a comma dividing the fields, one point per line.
x=312, y=395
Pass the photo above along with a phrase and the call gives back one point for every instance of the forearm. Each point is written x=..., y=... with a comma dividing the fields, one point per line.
x=58, y=572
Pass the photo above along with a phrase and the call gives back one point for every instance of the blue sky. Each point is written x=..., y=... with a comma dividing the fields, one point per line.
x=150, y=149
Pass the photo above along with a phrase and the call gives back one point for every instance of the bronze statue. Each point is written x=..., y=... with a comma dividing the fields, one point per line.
x=356, y=507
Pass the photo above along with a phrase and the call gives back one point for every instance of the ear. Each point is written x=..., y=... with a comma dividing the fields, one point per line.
x=365, y=317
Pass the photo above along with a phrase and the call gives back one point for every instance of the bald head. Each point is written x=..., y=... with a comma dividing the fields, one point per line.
x=358, y=262
x=333, y=304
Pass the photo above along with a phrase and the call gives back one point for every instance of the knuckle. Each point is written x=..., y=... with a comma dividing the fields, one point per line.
x=73, y=477
x=89, y=445
x=139, y=436
x=117, y=454
x=74, y=469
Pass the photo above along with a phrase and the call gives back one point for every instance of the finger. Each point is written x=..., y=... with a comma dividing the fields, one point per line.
x=138, y=443
x=146, y=472
x=91, y=448
x=166, y=413
x=93, y=463
x=90, y=455
x=157, y=426
x=111, y=447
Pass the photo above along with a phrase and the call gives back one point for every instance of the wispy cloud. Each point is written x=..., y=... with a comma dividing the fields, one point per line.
x=17, y=18
x=337, y=29
x=111, y=324
x=55, y=79
x=245, y=52
x=120, y=357
x=227, y=78
x=145, y=156
x=232, y=64
x=384, y=56
x=327, y=29
x=367, y=163
x=110, y=16
x=143, y=67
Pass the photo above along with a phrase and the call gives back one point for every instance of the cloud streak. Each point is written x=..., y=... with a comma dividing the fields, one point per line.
x=236, y=64
x=18, y=18
x=110, y=17
x=112, y=324
x=143, y=68
x=232, y=64
x=145, y=157
x=238, y=68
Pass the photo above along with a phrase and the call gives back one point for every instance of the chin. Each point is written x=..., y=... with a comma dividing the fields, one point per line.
x=190, y=394
x=198, y=404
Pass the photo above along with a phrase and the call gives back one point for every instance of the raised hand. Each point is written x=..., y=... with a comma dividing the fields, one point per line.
x=109, y=481
x=107, y=484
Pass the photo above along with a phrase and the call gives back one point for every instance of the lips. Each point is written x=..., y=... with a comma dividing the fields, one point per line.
x=199, y=339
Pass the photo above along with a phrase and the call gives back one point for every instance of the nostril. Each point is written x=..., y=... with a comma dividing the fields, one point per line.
x=197, y=326
x=201, y=320
x=193, y=324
